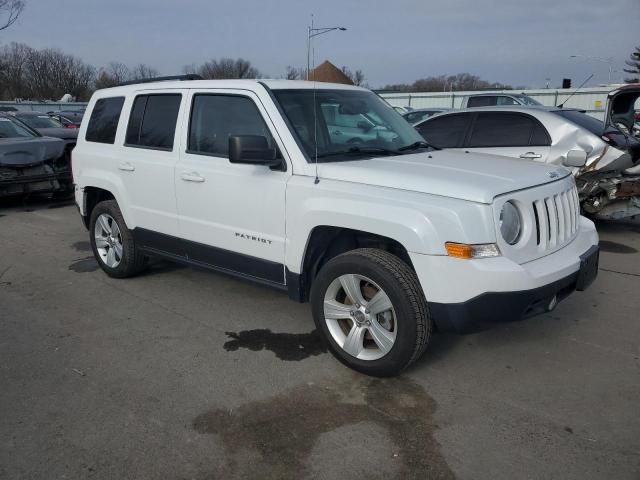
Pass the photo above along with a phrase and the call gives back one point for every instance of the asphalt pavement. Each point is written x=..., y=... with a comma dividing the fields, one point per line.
x=186, y=374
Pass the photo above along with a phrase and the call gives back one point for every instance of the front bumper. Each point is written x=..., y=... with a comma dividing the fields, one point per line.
x=471, y=295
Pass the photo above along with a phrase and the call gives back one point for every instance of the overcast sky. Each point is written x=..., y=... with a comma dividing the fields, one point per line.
x=521, y=42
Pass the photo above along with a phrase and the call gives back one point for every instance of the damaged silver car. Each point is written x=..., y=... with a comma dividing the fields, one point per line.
x=603, y=156
x=29, y=162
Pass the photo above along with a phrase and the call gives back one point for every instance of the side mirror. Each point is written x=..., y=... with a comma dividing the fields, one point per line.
x=575, y=158
x=252, y=150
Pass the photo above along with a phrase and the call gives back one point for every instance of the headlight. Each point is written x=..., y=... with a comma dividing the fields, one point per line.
x=510, y=223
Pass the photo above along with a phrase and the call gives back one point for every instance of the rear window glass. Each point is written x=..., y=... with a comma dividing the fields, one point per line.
x=152, y=123
x=445, y=131
x=103, y=123
x=583, y=120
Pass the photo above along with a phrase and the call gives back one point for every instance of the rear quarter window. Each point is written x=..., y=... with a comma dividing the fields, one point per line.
x=103, y=123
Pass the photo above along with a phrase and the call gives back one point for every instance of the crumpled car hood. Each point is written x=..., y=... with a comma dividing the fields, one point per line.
x=25, y=152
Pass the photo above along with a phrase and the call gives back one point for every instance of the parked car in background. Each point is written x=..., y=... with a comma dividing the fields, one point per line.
x=29, y=162
x=599, y=155
x=50, y=127
x=497, y=99
x=420, y=114
x=70, y=119
x=402, y=110
x=8, y=109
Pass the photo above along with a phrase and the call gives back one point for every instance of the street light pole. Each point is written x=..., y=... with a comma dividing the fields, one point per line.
x=598, y=59
x=314, y=32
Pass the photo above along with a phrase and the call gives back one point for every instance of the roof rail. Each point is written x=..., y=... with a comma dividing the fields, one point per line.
x=191, y=76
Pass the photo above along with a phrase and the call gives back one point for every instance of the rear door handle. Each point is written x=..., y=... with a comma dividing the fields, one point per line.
x=126, y=166
x=531, y=155
x=192, y=177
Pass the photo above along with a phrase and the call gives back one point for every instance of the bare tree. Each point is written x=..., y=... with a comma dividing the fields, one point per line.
x=51, y=74
x=633, y=65
x=447, y=83
x=112, y=75
x=294, y=73
x=356, y=77
x=13, y=70
x=143, y=72
x=224, y=68
x=10, y=10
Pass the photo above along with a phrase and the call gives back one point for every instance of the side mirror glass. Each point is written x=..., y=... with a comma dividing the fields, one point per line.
x=252, y=150
x=575, y=158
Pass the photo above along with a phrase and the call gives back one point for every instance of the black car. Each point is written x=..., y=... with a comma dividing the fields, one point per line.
x=49, y=127
x=29, y=162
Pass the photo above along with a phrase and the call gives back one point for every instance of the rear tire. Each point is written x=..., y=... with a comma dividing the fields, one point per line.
x=112, y=242
x=388, y=328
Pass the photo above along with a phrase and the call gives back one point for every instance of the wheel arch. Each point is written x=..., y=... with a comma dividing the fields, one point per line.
x=325, y=242
x=91, y=197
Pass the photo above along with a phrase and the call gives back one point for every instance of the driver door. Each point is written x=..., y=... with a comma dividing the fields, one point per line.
x=231, y=216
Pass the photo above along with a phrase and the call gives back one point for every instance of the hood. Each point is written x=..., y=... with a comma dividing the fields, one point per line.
x=24, y=152
x=64, y=133
x=468, y=176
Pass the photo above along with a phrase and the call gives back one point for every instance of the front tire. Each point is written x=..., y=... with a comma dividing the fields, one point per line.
x=112, y=242
x=372, y=312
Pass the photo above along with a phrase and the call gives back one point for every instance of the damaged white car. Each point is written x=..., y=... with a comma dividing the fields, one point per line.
x=603, y=156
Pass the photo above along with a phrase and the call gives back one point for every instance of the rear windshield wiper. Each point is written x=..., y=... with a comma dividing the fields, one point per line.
x=359, y=150
x=417, y=145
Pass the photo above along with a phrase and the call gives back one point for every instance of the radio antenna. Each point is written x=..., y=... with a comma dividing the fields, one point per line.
x=315, y=118
x=575, y=91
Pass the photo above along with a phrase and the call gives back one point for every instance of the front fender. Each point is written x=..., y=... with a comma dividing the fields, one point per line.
x=421, y=223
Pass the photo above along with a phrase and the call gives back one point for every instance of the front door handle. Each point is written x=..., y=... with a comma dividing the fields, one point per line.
x=192, y=177
x=126, y=166
x=531, y=155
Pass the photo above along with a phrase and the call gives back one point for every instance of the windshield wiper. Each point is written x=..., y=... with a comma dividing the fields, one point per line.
x=359, y=150
x=417, y=145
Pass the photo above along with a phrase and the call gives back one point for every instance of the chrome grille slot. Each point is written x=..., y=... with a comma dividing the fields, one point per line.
x=556, y=218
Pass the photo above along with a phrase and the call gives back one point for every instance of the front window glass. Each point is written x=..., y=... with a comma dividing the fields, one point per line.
x=215, y=118
x=10, y=128
x=40, y=121
x=345, y=124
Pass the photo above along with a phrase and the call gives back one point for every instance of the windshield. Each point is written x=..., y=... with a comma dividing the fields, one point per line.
x=10, y=128
x=347, y=124
x=583, y=120
x=527, y=100
x=40, y=121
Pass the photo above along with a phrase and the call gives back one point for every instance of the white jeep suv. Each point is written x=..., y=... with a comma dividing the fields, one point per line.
x=327, y=193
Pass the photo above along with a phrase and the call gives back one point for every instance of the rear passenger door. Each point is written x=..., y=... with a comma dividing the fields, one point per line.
x=147, y=163
x=232, y=216
x=510, y=134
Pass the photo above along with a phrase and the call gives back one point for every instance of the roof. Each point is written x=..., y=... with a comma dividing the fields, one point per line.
x=540, y=111
x=516, y=108
x=248, y=84
x=328, y=72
